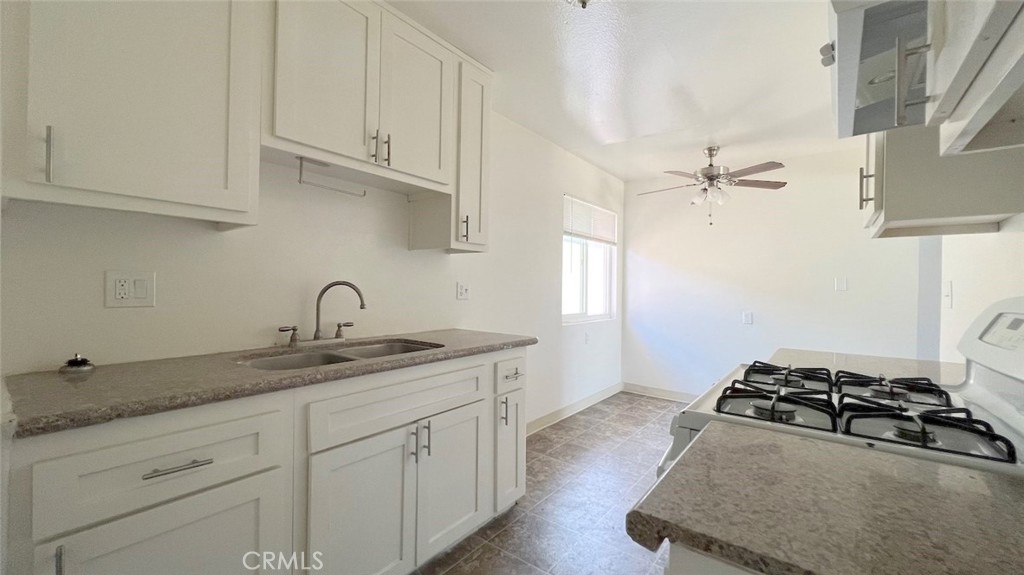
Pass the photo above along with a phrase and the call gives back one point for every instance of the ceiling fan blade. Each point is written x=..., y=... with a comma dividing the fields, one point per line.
x=683, y=174
x=764, y=184
x=699, y=198
x=765, y=167
x=666, y=189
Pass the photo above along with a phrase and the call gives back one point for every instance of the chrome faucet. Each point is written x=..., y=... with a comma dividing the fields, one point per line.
x=362, y=304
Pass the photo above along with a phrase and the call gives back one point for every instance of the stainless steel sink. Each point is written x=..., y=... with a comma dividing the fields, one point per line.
x=297, y=360
x=384, y=349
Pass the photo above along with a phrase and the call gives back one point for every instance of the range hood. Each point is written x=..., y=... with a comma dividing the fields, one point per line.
x=879, y=52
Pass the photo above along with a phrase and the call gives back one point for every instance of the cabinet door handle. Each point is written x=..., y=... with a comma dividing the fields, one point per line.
x=427, y=444
x=415, y=441
x=387, y=145
x=190, y=465
x=862, y=189
x=902, y=81
x=465, y=222
x=49, y=154
x=514, y=376
x=504, y=405
x=375, y=138
x=58, y=561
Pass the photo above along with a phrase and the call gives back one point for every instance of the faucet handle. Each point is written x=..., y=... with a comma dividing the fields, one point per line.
x=294, y=339
x=340, y=333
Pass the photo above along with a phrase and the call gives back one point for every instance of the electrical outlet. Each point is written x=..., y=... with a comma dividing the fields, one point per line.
x=840, y=283
x=747, y=318
x=129, y=289
x=461, y=291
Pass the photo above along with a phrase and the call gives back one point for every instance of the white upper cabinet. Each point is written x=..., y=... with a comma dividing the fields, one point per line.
x=474, y=158
x=917, y=192
x=365, y=93
x=328, y=75
x=978, y=91
x=143, y=106
x=417, y=102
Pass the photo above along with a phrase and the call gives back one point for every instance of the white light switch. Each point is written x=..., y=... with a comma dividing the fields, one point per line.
x=129, y=289
x=748, y=318
x=840, y=283
x=947, y=293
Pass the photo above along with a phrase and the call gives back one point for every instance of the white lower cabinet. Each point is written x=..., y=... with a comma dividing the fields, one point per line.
x=362, y=505
x=451, y=488
x=211, y=532
x=384, y=504
x=509, y=449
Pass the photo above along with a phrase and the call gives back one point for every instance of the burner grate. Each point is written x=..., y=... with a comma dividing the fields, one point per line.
x=947, y=429
x=918, y=390
x=803, y=408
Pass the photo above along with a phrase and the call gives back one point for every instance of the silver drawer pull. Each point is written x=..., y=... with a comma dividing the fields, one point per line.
x=49, y=155
x=190, y=465
x=863, y=183
x=514, y=376
x=58, y=560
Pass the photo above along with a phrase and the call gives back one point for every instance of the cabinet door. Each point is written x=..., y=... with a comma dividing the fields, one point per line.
x=327, y=75
x=206, y=533
x=154, y=100
x=510, y=449
x=452, y=497
x=473, y=168
x=361, y=505
x=417, y=102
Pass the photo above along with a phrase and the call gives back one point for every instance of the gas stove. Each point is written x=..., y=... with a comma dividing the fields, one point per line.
x=975, y=422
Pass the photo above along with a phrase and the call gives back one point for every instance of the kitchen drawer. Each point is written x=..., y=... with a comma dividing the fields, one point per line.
x=350, y=417
x=509, y=375
x=83, y=488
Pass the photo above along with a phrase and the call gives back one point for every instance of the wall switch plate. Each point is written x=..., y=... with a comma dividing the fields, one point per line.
x=840, y=283
x=748, y=318
x=129, y=289
x=461, y=291
x=947, y=293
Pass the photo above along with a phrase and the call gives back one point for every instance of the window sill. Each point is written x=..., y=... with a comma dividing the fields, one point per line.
x=596, y=319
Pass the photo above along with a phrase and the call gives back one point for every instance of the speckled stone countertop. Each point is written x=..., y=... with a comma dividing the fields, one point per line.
x=783, y=504
x=43, y=402
x=941, y=372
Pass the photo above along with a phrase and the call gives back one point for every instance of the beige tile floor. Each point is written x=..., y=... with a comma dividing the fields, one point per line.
x=582, y=475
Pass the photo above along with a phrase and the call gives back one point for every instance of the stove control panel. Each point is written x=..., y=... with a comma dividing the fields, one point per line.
x=1006, y=331
x=996, y=339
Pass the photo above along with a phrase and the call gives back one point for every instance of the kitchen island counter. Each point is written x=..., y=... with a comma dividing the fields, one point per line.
x=782, y=504
x=43, y=402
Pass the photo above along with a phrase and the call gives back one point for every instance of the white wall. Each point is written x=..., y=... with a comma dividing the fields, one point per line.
x=984, y=268
x=219, y=291
x=774, y=253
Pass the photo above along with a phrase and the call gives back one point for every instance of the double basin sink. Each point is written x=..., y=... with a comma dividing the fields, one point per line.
x=300, y=360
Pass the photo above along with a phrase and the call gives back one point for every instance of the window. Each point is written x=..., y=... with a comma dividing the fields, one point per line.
x=589, y=239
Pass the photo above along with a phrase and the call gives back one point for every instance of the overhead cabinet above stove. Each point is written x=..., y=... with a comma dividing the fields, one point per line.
x=954, y=64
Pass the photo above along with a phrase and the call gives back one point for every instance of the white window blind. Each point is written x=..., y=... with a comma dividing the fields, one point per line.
x=583, y=220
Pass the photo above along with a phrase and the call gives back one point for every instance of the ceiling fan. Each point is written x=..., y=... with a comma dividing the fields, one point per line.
x=712, y=177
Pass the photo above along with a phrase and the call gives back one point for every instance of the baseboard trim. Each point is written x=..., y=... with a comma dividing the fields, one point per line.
x=560, y=414
x=658, y=392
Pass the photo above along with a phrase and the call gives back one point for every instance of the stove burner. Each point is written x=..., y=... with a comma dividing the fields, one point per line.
x=787, y=379
x=913, y=432
x=781, y=412
x=888, y=392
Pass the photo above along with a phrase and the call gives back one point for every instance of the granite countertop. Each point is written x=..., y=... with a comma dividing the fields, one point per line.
x=941, y=372
x=43, y=402
x=783, y=504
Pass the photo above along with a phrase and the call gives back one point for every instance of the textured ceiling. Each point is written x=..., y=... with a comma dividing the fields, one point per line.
x=640, y=87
